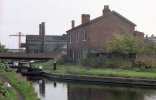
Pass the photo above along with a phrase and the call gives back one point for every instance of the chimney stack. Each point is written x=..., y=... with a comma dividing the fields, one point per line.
x=43, y=28
x=72, y=24
x=42, y=34
x=85, y=18
x=40, y=29
x=106, y=9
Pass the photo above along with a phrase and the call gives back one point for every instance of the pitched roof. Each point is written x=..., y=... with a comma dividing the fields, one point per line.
x=103, y=16
x=124, y=18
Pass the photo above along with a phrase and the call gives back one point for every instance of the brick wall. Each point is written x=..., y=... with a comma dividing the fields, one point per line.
x=139, y=36
x=148, y=59
x=102, y=29
x=78, y=48
x=98, y=32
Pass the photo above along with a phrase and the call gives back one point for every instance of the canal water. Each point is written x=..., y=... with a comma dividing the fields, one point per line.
x=52, y=90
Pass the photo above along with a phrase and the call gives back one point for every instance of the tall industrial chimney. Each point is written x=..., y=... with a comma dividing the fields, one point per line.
x=40, y=29
x=43, y=28
x=42, y=34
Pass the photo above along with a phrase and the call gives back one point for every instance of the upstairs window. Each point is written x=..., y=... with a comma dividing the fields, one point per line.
x=72, y=38
x=69, y=39
x=77, y=37
x=84, y=35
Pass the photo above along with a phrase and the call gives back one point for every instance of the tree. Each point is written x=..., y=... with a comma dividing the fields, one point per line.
x=2, y=48
x=122, y=43
x=151, y=49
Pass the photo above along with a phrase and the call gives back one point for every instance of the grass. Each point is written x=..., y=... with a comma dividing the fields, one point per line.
x=18, y=81
x=80, y=70
x=10, y=93
x=26, y=88
x=121, y=73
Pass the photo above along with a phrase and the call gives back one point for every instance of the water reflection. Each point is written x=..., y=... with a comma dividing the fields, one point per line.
x=41, y=87
x=51, y=90
x=92, y=92
x=55, y=84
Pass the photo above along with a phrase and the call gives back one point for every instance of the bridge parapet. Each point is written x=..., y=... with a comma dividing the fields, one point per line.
x=26, y=56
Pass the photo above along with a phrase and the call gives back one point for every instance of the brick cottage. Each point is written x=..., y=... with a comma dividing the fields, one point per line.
x=92, y=35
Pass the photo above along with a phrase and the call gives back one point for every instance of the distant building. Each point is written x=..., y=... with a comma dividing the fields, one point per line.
x=149, y=41
x=152, y=38
x=92, y=35
x=15, y=50
x=45, y=43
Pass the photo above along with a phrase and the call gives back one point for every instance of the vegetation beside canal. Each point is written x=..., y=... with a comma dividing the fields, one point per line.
x=80, y=70
x=18, y=82
x=7, y=93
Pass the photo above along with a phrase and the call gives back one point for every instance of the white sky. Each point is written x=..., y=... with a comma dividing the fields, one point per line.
x=25, y=15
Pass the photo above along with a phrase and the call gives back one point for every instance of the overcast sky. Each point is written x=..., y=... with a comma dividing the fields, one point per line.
x=25, y=15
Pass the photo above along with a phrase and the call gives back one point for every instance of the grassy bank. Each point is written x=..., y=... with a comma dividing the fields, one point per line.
x=20, y=83
x=80, y=70
x=7, y=93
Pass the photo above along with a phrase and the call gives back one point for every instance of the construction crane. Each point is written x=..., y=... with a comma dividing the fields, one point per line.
x=19, y=35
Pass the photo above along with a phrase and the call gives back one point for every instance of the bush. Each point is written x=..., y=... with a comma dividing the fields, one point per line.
x=62, y=60
x=122, y=43
x=94, y=62
x=104, y=62
x=127, y=65
x=149, y=60
x=3, y=89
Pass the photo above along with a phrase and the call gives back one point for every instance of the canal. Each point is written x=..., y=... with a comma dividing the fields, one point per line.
x=52, y=90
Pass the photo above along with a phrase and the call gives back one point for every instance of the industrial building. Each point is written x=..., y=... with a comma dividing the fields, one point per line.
x=45, y=43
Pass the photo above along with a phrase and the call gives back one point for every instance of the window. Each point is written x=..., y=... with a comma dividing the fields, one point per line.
x=81, y=54
x=69, y=39
x=84, y=35
x=72, y=38
x=77, y=36
x=70, y=54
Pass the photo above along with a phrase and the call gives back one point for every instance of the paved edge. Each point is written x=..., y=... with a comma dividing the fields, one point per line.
x=102, y=79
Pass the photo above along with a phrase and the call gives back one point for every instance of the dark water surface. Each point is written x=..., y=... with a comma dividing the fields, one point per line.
x=51, y=90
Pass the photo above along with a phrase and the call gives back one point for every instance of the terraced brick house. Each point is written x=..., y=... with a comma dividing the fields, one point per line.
x=92, y=35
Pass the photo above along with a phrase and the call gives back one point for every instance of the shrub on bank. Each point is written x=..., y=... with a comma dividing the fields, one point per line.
x=149, y=60
x=104, y=62
x=3, y=89
x=17, y=81
x=20, y=83
x=62, y=60
x=7, y=93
